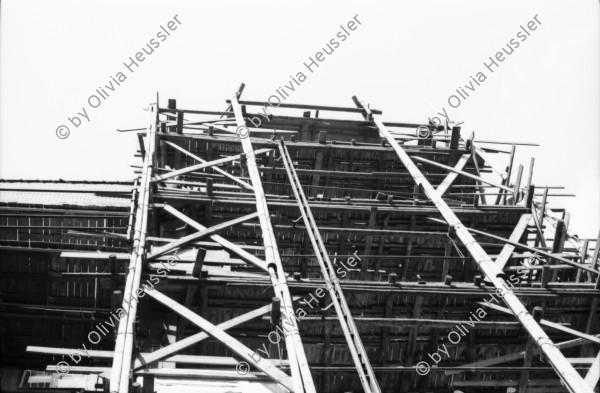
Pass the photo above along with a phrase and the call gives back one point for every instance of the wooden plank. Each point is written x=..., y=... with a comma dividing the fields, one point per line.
x=312, y=107
x=529, y=178
x=219, y=334
x=594, y=261
x=543, y=206
x=92, y=353
x=81, y=369
x=301, y=375
x=185, y=256
x=187, y=373
x=517, y=185
x=549, y=324
x=119, y=379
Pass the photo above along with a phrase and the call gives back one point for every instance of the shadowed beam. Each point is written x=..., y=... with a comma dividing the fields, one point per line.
x=144, y=359
x=526, y=247
x=198, y=235
x=549, y=324
x=197, y=167
x=215, y=332
x=222, y=241
x=216, y=169
x=518, y=355
x=535, y=250
x=467, y=174
x=162, y=353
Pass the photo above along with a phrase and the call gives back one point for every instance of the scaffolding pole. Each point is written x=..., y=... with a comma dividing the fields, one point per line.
x=301, y=376
x=121, y=368
x=561, y=365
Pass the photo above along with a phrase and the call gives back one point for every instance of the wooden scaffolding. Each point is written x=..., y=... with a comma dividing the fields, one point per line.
x=269, y=248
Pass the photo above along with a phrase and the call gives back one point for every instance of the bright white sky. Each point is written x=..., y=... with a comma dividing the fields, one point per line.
x=54, y=54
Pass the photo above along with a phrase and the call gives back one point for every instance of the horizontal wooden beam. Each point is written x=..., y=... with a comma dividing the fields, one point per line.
x=304, y=106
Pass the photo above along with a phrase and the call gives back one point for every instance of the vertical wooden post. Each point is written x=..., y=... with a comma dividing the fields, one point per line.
x=517, y=185
x=200, y=255
x=112, y=263
x=136, y=388
x=455, y=138
x=509, y=170
x=180, y=122
x=584, y=249
x=530, y=177
x=116, y=299
x=148, y=384
x=322, y=137
x=275, y=310
x=543, y=207
x=530, y=194
x=559, y=239
x=209, y=187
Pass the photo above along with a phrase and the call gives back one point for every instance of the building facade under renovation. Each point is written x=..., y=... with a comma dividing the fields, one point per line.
x=297, y=248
